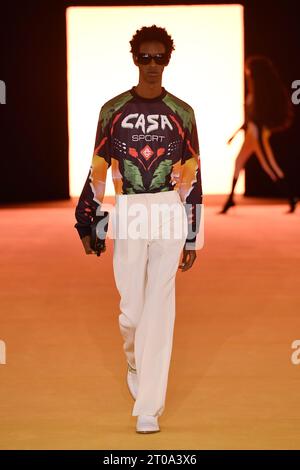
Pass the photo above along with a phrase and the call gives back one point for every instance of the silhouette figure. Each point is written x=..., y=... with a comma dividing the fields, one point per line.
x=268, y=109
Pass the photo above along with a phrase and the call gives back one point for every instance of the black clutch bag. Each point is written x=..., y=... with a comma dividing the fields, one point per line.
x=99, y=228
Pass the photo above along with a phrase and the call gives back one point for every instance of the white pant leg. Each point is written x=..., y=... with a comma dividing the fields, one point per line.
x=130, y=272
x=154, y=333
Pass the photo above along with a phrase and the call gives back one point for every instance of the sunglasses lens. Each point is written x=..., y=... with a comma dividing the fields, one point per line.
x=145, y=59
x=161, y=59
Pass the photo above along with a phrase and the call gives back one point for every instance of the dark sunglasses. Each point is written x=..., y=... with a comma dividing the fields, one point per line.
x=145, y=58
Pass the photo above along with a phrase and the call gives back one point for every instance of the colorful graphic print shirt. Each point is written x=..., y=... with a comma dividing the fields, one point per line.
x=151, y=145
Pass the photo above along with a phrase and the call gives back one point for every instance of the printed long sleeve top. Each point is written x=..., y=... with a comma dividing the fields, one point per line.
x=151, y=145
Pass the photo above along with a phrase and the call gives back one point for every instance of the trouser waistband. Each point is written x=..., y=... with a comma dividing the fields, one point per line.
x=162, y=196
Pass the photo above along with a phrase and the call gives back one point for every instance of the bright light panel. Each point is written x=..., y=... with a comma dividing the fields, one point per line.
x=206, y=71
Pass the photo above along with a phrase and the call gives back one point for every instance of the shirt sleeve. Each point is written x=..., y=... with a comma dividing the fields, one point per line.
x=91, y=197
x=190, y=188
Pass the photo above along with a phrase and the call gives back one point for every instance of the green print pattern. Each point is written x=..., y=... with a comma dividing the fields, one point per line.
x=186, y=113
x=160, y=174
x=113, y=105
x=133, y=175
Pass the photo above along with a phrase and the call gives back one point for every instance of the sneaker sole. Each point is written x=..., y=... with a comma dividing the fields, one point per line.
x=147, y=432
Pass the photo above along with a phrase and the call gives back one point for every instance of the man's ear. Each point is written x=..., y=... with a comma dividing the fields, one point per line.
x=134, y=58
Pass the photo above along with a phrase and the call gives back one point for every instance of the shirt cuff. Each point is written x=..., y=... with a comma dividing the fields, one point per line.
x=190, y=243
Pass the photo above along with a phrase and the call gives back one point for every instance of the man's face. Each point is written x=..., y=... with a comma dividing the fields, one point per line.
x=151, y=72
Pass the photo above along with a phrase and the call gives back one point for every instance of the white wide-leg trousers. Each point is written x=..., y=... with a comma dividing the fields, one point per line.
x=152, y=231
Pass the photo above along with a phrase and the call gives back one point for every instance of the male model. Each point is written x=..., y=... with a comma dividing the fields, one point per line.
x=149, y=138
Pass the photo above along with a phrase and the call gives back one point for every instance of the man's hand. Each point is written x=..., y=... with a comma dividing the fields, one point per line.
x=86, y=241
x=188, y=259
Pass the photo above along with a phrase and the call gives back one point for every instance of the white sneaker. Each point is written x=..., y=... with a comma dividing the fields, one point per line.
x=132, y=381
x=147, y=424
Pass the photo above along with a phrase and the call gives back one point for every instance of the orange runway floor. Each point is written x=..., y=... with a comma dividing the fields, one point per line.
x=232, y=384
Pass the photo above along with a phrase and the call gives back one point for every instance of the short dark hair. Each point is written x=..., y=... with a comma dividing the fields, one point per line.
x=152, y=33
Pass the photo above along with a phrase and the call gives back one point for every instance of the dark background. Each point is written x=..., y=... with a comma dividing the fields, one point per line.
x=33, y=122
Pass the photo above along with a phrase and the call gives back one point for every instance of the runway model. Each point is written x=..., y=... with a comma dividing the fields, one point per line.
x=268, y=110
x=149, y=138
